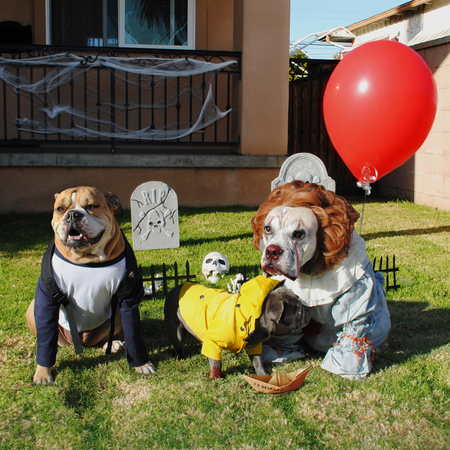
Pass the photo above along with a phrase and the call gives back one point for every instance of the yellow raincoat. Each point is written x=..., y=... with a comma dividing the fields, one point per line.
x=221, y=320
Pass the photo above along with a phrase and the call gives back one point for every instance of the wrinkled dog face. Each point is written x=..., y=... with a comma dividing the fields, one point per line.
x=289, y=240
x=283, y=315
x=81, y=218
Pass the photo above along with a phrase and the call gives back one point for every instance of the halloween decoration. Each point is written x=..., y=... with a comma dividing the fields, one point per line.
x=215, y=266
x=379, y=105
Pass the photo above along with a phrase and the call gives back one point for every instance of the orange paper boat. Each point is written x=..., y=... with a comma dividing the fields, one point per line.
x=278, y=382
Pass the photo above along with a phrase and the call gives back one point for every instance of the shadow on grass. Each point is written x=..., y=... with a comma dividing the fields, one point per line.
x=82, y=395
x=415, y=330
x=411, y=232
x=213, y=238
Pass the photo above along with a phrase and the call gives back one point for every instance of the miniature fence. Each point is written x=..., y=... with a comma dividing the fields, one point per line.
x=155, y=280
x=161, y=279
x=387, y=271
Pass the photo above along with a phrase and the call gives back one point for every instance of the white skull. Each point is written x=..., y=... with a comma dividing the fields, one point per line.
x=215, y=265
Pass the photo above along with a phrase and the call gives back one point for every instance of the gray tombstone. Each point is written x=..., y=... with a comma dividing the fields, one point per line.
x=304, y=167
x=154, y=216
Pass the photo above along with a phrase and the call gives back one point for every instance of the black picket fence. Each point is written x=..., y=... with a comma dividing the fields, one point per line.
x=155, y=280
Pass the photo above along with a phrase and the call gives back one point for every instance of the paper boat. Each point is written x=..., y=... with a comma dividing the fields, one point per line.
x=278, y=382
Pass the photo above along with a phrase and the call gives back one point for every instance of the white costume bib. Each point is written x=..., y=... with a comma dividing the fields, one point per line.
x=322, y=289
x=89, y=290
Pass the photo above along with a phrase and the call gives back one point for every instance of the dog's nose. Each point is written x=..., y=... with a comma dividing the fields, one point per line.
x=273, y=252
x=74, y=215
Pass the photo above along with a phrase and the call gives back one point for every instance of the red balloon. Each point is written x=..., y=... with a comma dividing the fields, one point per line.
x=379, y=105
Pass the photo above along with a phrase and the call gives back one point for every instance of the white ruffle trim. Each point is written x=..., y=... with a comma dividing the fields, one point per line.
x=322, y=289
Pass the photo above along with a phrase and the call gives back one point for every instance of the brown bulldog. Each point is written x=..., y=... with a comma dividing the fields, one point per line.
x=83, y=220
x=90, y=269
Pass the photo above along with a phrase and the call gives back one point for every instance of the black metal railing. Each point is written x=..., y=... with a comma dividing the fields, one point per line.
x=103, y=106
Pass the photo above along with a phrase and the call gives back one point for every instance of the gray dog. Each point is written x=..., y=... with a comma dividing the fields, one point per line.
x=223, y=321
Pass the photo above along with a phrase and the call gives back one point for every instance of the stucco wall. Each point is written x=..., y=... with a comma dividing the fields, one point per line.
x=21, y=11
x=425, y=178
x=214, y=24
x=27, y=189
x=262, y=34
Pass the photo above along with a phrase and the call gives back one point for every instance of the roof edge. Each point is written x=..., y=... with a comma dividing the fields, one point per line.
x=387, y=14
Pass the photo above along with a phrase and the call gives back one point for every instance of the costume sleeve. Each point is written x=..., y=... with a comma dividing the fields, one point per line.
x=131, y=322
x=46, y=314
x=364, y=321
x=220, y=335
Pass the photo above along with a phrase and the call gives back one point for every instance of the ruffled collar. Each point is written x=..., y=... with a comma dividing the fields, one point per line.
x=323, y=289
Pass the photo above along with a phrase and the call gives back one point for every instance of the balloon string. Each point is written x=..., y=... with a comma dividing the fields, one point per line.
x=362, y=213
x=359, y=247
x=360, y=232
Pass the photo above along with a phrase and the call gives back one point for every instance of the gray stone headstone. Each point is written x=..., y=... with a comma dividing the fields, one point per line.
x=305, y=167
x=154, y=216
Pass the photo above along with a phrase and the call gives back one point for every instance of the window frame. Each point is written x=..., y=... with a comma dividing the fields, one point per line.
x=190, y=30
x=121, y=28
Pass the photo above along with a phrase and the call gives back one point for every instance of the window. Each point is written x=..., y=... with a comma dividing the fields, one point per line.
x=122, y=23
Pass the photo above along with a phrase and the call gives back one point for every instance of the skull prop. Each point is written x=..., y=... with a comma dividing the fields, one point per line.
x=215, y=265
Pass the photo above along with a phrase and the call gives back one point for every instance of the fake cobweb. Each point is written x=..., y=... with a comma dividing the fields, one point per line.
x=142, y=98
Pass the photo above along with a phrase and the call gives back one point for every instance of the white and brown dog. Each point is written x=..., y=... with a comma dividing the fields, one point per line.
x=90, y=286
x=306, y=235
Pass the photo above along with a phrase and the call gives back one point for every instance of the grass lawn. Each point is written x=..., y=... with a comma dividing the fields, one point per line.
x=98, y=402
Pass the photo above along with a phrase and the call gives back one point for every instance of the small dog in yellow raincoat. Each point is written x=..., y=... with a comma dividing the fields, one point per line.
x=233, y=322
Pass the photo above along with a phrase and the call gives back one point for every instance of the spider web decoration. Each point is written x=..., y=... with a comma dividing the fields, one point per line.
x=145, y=98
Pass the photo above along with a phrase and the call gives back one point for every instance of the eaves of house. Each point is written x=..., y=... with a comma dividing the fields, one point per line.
x=418, y=24
x=386, y=15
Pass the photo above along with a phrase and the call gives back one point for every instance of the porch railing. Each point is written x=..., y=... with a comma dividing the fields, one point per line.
x=133, y=101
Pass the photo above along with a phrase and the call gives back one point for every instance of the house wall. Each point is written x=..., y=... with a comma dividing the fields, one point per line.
x=258, y=28
x=262, y=34
x=19, y=11
x=214, y=24
x=425, y=178
x=26, y=189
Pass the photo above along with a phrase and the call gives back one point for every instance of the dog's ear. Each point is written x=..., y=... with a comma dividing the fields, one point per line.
x=114, y=202
x=56, y=195
x=275, y=312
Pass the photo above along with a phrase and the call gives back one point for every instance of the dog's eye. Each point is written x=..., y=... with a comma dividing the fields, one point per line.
x=60, y=209
x=299, y=234
x=91, y=207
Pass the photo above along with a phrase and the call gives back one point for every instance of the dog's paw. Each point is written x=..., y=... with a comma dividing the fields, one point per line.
x=43, y=375
x=215, y=369
x=147, y=368
x=115, y=346
x=216, y=375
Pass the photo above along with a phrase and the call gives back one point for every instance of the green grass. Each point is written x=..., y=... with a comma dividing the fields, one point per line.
x=98, y=402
